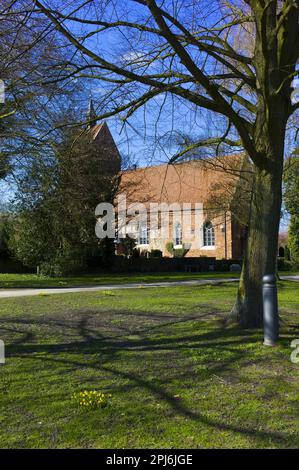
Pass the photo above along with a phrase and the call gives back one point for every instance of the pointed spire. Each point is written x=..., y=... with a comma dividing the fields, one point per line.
x=91, y=115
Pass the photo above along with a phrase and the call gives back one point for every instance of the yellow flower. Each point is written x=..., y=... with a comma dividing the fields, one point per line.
x=92, y=399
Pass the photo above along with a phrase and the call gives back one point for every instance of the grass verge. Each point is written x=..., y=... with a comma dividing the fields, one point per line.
x=15, y=281
x=177, y=377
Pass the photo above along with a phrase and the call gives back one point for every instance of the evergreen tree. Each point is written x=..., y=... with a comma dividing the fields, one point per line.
x=294, y=239
x=55, y=226
x=291, y=197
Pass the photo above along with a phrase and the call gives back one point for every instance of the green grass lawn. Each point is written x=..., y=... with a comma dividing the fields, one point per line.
x=8, y=281
x=177, y=377
x=32, y=280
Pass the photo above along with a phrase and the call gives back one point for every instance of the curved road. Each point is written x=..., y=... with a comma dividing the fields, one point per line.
x=25, y=292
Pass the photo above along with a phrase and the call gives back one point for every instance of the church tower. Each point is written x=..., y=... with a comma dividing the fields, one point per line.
x=103, y=143
x=91, y=114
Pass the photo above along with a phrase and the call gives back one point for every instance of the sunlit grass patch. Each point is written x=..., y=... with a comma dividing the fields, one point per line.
x=178, y=377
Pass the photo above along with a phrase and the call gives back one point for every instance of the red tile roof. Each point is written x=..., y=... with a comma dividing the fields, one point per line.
x=188, y=182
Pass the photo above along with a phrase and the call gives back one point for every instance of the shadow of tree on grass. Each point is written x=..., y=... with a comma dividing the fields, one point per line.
x=101, y=351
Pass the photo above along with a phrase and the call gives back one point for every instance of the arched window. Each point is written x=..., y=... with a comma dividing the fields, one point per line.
x=177, y=235
x=208, y=234
x=143, y=234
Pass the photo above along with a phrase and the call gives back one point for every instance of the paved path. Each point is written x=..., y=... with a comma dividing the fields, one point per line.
x=25, y=292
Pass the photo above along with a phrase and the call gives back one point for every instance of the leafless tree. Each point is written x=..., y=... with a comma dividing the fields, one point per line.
x=29, y=51
x=236, y=59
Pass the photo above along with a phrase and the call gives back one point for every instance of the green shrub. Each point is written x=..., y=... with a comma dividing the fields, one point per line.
x=136, y=253
x=286, y=265
x=287, y=254
x=63, y=265
x=155, y=254
x=294, y=239
x=129, y=245
x=176, y=252
x=169, y=248
x=180, y=252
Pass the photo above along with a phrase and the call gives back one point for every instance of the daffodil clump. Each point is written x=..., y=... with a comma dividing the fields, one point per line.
x=91, y=399
x=108, y=292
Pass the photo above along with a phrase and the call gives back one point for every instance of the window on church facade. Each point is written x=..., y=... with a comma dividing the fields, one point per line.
x=208, y=234
x=177, y=234
x=143, y=238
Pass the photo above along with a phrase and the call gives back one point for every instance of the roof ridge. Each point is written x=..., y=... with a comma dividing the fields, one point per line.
x=189, y=162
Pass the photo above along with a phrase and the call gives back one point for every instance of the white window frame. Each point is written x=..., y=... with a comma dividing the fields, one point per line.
x=177, y=235
x=143, y=234
x=209, y=236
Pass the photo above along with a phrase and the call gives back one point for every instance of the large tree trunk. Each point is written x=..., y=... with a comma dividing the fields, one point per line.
x=261, y=250
x=273, y=71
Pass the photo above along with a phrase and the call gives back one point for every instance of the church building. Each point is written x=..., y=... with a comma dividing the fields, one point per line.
x=212, y=184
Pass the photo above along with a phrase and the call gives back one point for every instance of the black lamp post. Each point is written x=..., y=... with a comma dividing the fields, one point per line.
x=271, y=318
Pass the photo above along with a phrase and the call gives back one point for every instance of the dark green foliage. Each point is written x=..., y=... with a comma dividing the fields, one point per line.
x=176, y=252
x=286, y=265
x=55, y=226
x=291, y=185
x=169, y=247
x=291, y=196
x=294, y=238
x=281, y=252
x=129, y=244
x=4, y=236
x=180, y=252
x=155, y=254
x=136, y=253
x=287, y=254
x=106, y=250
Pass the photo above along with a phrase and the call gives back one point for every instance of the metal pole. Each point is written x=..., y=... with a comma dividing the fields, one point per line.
x=2, y=352
x=271, y=319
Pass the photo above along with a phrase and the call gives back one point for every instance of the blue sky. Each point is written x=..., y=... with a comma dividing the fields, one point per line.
x=142, y=137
